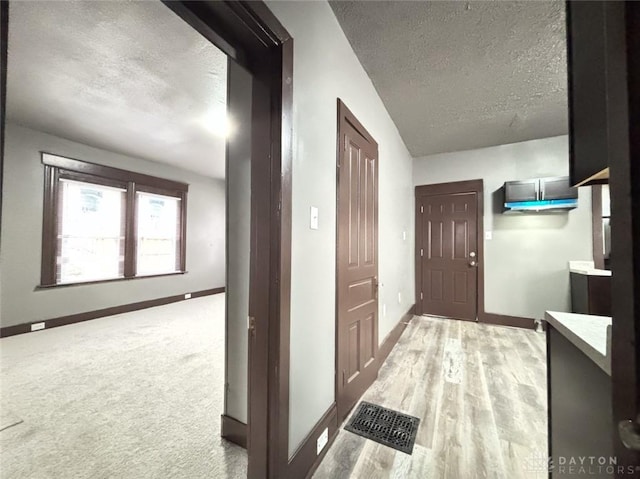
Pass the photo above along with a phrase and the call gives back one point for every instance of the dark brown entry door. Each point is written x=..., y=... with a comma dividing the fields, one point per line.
x=447, y=252
x=357, y=261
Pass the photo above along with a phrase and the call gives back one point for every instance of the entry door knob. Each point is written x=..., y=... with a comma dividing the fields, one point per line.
x=472, y=263
x=472, y=254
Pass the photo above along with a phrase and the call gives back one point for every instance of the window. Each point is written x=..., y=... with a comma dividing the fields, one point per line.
x=103, y=223
x=158, y=244
x=90, y=242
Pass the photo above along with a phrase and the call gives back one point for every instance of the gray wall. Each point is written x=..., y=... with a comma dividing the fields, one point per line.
x=526, y=270
x=325, y=68
x=238, y=238
x=22, y=232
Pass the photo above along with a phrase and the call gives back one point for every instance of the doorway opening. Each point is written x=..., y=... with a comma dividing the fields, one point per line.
x=449, y=239
x=159, y=131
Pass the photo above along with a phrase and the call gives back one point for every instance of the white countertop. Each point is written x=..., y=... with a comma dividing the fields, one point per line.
x=591, y=272
x=590, y=334
x=588, y=268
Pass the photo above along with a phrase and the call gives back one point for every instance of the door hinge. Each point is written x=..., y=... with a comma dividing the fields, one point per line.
x=344, y=377
x=421, y=252
x=251, y=325
x=421, y=209
x=421, y=296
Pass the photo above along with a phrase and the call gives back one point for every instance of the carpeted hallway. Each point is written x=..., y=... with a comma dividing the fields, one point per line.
x=137, y=395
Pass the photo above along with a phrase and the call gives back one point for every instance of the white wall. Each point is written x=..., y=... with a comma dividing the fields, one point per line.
x=22, y=233
x=526, y=269
x=325, y=68
x=238, y=242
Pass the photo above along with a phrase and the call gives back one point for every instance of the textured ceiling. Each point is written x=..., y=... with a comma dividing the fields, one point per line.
x=463, y=75
x=129, y=77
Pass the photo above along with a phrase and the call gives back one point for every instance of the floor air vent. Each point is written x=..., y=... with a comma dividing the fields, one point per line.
x=385, y=426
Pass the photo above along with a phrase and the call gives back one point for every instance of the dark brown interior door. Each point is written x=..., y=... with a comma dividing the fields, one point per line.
x=447, y=251
x=357, y=261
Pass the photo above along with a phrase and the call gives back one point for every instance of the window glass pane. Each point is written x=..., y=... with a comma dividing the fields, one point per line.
x=90, y=232
x=158, y=241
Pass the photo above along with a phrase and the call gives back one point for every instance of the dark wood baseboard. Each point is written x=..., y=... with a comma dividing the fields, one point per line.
x=306, y=460
x=394, y=335
x=504, y=320
x=101, y=313
x=234, y=430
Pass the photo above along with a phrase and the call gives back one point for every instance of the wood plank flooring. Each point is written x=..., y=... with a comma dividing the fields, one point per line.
x=480, y=392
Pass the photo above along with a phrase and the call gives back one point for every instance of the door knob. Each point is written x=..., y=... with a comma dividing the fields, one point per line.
x=472, y=254
x=472, y=263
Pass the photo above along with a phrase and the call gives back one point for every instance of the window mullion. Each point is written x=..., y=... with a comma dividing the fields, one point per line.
x=182, y=234
x=130, y=232
x=50, y=227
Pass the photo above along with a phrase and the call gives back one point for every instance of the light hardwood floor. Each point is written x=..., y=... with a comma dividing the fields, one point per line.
x=480, y=393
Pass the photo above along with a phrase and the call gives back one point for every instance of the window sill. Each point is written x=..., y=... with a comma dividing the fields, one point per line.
x=112, y=280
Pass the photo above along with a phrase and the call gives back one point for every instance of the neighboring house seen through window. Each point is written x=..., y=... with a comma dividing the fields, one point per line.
x=102, y=223
x=90, y=243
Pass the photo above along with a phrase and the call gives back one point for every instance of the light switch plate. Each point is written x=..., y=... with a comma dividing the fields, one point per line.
x=488, y=235
x=314, y=218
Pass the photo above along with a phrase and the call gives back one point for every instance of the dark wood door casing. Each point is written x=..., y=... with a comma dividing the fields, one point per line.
x=356, y=261
x=449, y=250
x=623, y=74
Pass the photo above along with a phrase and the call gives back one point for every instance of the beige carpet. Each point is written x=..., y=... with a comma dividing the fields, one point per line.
x=137, y=395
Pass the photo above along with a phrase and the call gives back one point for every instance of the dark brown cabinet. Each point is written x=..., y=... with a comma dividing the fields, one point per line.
x=590, y=294
x=557, y=188
x=589, y=64
x=539, y=189
x=526, y=190
x=540, y=194
x=580, y=411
